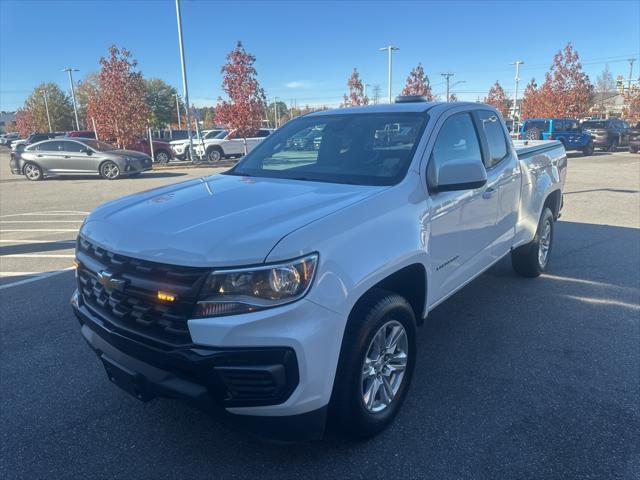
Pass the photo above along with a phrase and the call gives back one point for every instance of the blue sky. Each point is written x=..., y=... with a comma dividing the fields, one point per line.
x=306, y=50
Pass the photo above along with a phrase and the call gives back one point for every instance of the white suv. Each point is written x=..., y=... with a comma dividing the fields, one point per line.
x=227, y=144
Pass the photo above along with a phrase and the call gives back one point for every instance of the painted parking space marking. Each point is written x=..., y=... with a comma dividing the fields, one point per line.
x=36, y=276
x=39, y=230
x=38, y=255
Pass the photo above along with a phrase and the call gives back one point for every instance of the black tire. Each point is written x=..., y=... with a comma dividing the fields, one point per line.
x=32, y=172
x=614, y=145
x=633, y=149
x=162, y=156
x=533, y=134
x=588, y=149
x=378, y=312
x=214, y=154
x=526, y=260
x=109, y=170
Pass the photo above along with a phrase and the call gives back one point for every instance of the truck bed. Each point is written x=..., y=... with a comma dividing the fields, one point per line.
x=525, y=148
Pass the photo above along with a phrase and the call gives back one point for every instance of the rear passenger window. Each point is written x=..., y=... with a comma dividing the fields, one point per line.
x=457, y=140
x=497, y=142
x=48, y=147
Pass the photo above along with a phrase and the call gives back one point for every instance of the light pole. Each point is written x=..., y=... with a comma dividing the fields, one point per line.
x=275, y=111
x=365, y=89
x=184, y=79
x=73, y=93
x=46, y=107
x=389, y=50
x=447, y=76
x=178, y=110
x=458, y=83
x=517, y=63
x=631, y=60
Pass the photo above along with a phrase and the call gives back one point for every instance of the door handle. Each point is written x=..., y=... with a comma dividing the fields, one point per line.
x=489, y=192
x=39, y=155
x=67, y=156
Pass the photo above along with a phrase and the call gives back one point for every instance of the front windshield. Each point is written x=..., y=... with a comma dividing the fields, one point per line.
x=362, y=149
x=98, y=145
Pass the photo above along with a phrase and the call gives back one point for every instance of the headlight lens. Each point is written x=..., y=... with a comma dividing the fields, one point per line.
x=230, y=292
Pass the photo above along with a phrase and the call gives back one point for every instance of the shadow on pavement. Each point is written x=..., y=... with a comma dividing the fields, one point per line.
x=35, y=247
x=515, y=378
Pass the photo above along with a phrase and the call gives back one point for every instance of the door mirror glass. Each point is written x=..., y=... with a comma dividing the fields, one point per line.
x=463, y=174
x=87, y=150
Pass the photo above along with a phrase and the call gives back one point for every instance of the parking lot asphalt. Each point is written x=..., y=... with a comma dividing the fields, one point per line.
x=516, y=378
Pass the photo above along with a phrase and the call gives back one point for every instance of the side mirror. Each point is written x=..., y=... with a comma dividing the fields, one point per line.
x=88, y=151
x=458, y=175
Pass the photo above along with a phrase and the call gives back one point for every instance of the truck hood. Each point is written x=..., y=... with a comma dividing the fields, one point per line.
x=221, y=220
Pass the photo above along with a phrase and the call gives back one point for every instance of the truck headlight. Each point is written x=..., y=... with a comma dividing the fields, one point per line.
x=230, y=292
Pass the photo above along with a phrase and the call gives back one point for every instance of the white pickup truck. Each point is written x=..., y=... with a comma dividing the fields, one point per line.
x=228, y=144
x=287, y=290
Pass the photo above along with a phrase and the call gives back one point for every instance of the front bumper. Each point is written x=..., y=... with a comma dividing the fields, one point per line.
x=233, y=378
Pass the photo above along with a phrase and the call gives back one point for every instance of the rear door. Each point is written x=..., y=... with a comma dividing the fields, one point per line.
x=253, y=141
x=48, y=156
x=572, y=134
x=504, y=176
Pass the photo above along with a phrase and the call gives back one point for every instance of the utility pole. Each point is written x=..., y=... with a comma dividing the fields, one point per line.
x=517, y=63
x=184, y=80
x=447, y=76
x=178, y=110
x=46, y=107
x=275, y=111
x=389, y=50
x=365, y=88
x=73, y=93
x=631, y=60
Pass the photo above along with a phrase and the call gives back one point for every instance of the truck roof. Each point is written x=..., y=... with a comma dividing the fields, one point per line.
x=390, y=107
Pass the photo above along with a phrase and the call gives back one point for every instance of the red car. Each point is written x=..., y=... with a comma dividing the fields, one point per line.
x=162, y=152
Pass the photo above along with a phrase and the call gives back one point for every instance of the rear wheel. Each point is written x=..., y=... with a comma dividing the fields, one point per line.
x=614, y=145
x=633, y=149
x=109, y=170
x=33, y=172
x=376, y=364
x=588, y=149
x=532, y=259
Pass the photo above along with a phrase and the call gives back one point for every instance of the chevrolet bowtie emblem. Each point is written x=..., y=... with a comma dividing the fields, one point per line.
x=107, y=280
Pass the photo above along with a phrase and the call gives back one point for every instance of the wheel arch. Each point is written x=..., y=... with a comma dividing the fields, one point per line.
x=554, y=202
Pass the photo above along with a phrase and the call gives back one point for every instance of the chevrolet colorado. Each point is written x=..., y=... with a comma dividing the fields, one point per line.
x=287, y=290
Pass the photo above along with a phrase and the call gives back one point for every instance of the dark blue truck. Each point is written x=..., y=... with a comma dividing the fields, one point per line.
x=566, y=130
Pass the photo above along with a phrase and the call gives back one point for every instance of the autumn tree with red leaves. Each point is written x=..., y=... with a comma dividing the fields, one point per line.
x=529, y=106
x=356, y=94
x=631, y=110
x=25, y=122
x=118, y=103
x=498, y=99
x=243, y=112
x=566, y=91
x=418, y=84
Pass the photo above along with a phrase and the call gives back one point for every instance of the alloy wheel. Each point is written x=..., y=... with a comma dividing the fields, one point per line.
x=384, y=366
x=32, y=172
x=544, y=244
x=110, y=170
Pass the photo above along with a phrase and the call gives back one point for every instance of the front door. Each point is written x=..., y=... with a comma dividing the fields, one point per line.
x=462, y=223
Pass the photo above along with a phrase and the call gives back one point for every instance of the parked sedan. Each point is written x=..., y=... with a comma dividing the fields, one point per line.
x=77, y=156
x=162, y=152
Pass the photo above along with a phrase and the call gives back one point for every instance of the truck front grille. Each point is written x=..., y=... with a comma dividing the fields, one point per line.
x=123, y=291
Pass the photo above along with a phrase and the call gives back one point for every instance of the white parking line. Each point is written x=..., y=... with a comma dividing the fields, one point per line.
x=38, y=276
x=18, y=241
x=45, y=214
x=38, y=230
x=38, y=255
x=40, y=221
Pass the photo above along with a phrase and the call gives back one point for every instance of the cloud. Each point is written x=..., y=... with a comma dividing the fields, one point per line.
x=297, y=84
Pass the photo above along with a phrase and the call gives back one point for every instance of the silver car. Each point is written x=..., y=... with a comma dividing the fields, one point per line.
x=77, y=156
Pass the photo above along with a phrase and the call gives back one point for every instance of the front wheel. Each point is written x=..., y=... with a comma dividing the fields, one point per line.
x=109, y=170
x=532, y=259
x=33, y=172
x=162, y=157
x=633, y=149
x=376, y=365
x=214, y=155
x=588, y=149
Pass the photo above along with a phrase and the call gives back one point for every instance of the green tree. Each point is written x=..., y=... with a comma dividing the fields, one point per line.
x=84, y=89
x=60, y=108
x=161, y=100
x=279, y=107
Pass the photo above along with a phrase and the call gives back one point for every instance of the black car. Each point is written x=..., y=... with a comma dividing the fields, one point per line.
x=38, y=137
x=634, y=138
x=608, y=134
